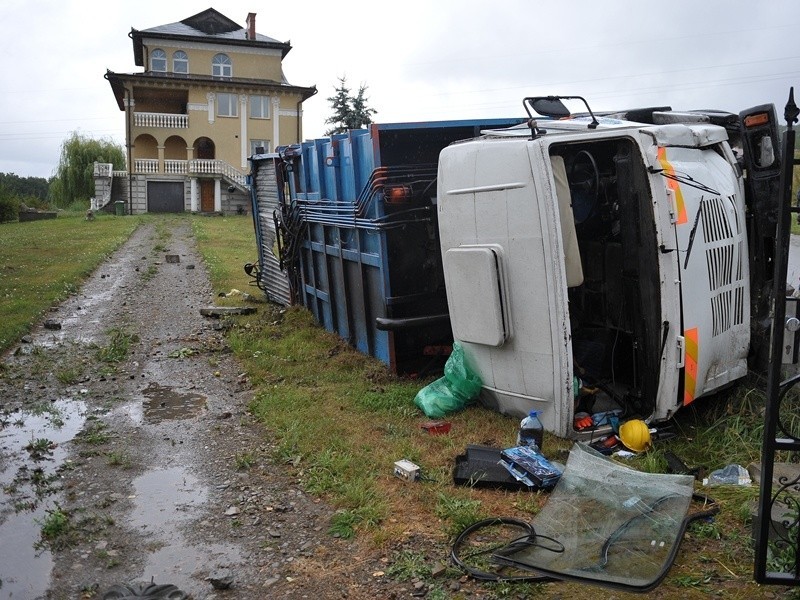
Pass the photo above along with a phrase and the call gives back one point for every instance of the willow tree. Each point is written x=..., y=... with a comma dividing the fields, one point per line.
x=73, y=180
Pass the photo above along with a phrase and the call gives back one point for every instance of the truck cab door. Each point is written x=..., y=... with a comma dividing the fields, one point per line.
x=758, y=146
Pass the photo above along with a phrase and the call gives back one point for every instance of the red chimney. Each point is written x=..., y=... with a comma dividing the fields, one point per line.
x=251, y=26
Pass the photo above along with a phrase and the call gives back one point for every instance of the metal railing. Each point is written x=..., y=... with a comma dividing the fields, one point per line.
x=167, y=120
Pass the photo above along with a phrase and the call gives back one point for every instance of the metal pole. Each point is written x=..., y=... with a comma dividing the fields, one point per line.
x=771, y=415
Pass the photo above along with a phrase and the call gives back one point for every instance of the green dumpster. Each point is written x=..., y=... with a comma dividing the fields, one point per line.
x=119, y=208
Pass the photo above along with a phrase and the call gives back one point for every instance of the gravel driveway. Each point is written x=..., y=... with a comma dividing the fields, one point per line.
x=150, y=469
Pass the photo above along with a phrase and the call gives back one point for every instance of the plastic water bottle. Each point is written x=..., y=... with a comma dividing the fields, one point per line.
x=531, y=431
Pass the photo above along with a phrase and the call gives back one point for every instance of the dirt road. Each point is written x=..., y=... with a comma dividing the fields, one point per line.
x=150, y=468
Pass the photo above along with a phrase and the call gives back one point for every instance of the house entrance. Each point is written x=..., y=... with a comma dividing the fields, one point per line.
x=207, y=195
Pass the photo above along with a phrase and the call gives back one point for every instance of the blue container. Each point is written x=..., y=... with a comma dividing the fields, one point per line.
x=359, y=237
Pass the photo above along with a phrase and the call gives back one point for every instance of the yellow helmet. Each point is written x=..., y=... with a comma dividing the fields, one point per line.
x=635, y=435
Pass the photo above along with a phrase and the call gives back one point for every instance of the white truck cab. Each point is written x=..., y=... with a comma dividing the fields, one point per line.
x=597, y=265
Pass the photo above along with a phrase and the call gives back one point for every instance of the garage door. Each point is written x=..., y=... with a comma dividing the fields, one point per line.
x=164, y=196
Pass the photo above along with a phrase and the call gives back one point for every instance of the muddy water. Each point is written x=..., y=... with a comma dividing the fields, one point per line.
x=33, y=454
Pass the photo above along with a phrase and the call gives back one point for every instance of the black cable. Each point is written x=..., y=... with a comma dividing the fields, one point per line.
x=527, y=540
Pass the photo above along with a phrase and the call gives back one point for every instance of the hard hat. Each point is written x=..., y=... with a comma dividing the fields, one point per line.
x=635, y=435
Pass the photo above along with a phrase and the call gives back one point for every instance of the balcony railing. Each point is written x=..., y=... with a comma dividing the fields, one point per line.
x=145, y=165
x=201, y=166
x=174, y=167
x=103, y=169
x=168, y=120
x=197, y=166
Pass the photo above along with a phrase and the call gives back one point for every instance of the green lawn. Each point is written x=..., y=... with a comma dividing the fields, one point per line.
x=42, y=262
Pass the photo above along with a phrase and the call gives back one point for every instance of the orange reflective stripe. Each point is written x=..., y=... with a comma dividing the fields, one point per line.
x=674, y=186
x=690, y=365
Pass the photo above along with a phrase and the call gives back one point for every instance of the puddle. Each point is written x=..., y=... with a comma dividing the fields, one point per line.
x=28, y=477
x=164, y=500
x=165, y=496
x=187, y=566
x=164, y=403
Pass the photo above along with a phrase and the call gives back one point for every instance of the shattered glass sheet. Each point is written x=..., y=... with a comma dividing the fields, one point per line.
x=609, y=525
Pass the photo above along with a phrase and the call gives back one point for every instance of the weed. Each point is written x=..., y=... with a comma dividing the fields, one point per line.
x=182, y=353
x=119, y=344
x=95, y=434
x=705, y=530
x=150, y=272
x=68, y=375
x=110, y=560
x=244, y=460
x=407, y=565
x=692, y=581
x=117, y=458
x=343, y=524
x=40, y=448
x=459, y=512
x=56, y=528
x=437, y=593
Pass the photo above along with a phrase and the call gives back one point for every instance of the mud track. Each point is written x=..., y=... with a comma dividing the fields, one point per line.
x=155, y=462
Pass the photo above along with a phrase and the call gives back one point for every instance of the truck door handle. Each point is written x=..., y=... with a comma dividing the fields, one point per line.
x=680, y=342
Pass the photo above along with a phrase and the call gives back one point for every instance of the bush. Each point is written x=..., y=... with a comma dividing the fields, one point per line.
x=78, y=206
x=9, y=208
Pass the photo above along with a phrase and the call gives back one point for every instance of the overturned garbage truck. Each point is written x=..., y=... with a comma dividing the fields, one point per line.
x=616, y=263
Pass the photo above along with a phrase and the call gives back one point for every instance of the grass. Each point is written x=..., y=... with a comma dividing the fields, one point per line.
x=43, y=262
x=56, y=529
x=339, y=421
x=244, y=460
x=119, y=343
x=94, y=434
x=226, y=244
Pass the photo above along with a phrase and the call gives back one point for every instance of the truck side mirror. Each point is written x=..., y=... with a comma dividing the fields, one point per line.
x=765, y=157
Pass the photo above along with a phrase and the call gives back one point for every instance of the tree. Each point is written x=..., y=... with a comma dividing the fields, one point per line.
x=349, y=112
x=73, y=180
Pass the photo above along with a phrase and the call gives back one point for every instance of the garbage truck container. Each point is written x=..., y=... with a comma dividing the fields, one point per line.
x=119, y=208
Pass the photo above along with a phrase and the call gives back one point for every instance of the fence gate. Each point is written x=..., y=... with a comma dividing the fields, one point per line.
x=777, y=558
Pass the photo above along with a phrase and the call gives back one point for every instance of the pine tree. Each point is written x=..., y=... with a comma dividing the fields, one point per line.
x=361, y=114
x=348, y=112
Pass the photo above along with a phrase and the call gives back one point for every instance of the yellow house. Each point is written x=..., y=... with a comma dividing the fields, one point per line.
x=211, y=95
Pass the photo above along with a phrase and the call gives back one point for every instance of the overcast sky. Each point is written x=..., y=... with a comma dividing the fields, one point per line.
x=421, y=60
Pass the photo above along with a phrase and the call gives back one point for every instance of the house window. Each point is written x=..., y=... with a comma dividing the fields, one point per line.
x=261, y=145
x=227, y=105
x=259, y=107
x=221, y=66
x=158, y=60
x=180, y=62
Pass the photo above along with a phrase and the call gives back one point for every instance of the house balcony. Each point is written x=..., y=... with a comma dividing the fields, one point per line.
x=195, y=167
x=161, y=120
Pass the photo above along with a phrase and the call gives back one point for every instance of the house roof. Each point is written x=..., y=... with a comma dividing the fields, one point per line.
x=117, y=81
x=208, y=26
